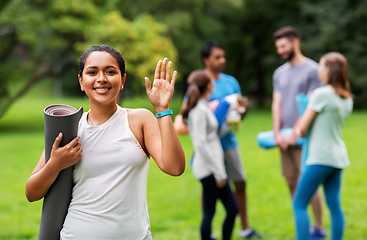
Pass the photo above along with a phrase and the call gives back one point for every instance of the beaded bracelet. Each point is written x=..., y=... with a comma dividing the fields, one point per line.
x=164, y=113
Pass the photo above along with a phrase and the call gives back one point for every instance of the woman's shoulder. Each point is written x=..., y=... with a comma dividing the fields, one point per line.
x=201, y=105
x=326, y=90
x=139, y=113
x=200, y=110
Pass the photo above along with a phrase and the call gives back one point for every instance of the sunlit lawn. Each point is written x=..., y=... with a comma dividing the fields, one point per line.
x=174, y=202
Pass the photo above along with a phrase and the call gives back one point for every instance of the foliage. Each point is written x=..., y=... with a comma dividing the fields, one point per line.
x=142, y=42
x=337, y=26
x=44, y=39
x=190, y=24
x=245, y=29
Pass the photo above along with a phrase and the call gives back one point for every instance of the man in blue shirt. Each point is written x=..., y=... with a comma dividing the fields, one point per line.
x=214, y=60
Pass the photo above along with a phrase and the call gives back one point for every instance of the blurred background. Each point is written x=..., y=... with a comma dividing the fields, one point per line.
x=42, y=40
x=40, y=45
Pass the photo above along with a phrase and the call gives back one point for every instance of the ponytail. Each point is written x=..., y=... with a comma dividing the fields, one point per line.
x=198, y=81
x=193, y=97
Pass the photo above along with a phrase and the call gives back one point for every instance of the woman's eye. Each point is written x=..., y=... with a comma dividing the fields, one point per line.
x=92, y=73
x=111, y=72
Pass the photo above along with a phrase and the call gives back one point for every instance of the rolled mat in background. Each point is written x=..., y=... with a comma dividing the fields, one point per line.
x=220, y=112
x=58, y=118
x=266, y=139
x=302, y=101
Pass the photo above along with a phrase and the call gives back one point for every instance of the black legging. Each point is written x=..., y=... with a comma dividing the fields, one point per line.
x=210, y=195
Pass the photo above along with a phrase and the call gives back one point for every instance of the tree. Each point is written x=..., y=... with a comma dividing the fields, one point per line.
x=244, y=28
x=45, y=39
x=142, y=42
x=338, y=25
x=190, y=23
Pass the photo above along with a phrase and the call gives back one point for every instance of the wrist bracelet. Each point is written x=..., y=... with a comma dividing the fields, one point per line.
x=164, y=113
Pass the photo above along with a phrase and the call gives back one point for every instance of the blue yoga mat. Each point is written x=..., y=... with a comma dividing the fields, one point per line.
x=302, y=101
x=220, y=112
x=266, y=139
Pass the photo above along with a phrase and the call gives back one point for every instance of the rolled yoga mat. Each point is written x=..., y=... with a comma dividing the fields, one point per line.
x=266, y=139
x=302, y=101
x=220, y=112
x=65, y=119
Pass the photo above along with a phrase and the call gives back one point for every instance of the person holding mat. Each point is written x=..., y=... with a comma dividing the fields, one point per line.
x=328, y=108
x=213, y=57
x=110, y=176
x=208, y=166
x=297, y=75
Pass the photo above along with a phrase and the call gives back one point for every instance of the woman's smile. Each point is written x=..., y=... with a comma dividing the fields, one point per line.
x=101, y=90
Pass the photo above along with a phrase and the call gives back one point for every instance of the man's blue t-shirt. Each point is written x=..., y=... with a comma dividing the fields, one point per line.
x=223, y=86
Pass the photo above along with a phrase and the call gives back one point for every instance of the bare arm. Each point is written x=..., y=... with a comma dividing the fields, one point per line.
x=276, y=112
x=162, y=144
x=292, y=138
x=179, y=124
x=160, y=137
x=245, y=103
x=44, y=175
x=302, y=125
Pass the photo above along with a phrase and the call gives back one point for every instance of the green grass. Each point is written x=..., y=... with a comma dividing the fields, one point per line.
x=174, y=202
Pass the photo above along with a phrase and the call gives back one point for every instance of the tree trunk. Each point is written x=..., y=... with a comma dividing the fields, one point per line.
x=42, y=71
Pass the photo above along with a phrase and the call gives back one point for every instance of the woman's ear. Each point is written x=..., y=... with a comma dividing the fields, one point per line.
x=123, y=79
x=81, y=82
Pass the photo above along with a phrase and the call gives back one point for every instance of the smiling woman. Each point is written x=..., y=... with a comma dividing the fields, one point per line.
x=110, y=176
x=101, y=80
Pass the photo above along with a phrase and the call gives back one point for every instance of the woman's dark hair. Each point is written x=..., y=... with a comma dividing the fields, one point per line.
x=207, y=49
x=102, y=48
x=287, y=32
x=198, y=82
x=338, y=73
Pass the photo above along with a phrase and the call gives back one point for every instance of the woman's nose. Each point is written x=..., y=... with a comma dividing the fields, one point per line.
x=101, y=78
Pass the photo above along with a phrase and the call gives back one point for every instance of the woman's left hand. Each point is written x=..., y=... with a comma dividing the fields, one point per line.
x=161, y=93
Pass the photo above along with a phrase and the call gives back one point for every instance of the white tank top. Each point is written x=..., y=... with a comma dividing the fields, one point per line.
x=109, y=196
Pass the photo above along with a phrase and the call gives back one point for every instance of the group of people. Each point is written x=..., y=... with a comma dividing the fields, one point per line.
x=330, y=103
x=111, y=153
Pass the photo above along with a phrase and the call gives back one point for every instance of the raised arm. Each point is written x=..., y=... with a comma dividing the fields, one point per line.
x=160, y=137
x=44, y=175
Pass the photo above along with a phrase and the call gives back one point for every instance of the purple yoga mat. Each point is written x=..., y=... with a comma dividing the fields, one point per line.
x=58, y=118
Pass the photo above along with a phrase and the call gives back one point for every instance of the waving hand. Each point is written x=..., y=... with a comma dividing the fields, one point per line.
x=160, y=94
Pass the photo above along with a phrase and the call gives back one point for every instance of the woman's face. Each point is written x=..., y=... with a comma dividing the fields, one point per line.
x=101, y=80
x=323, y=71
